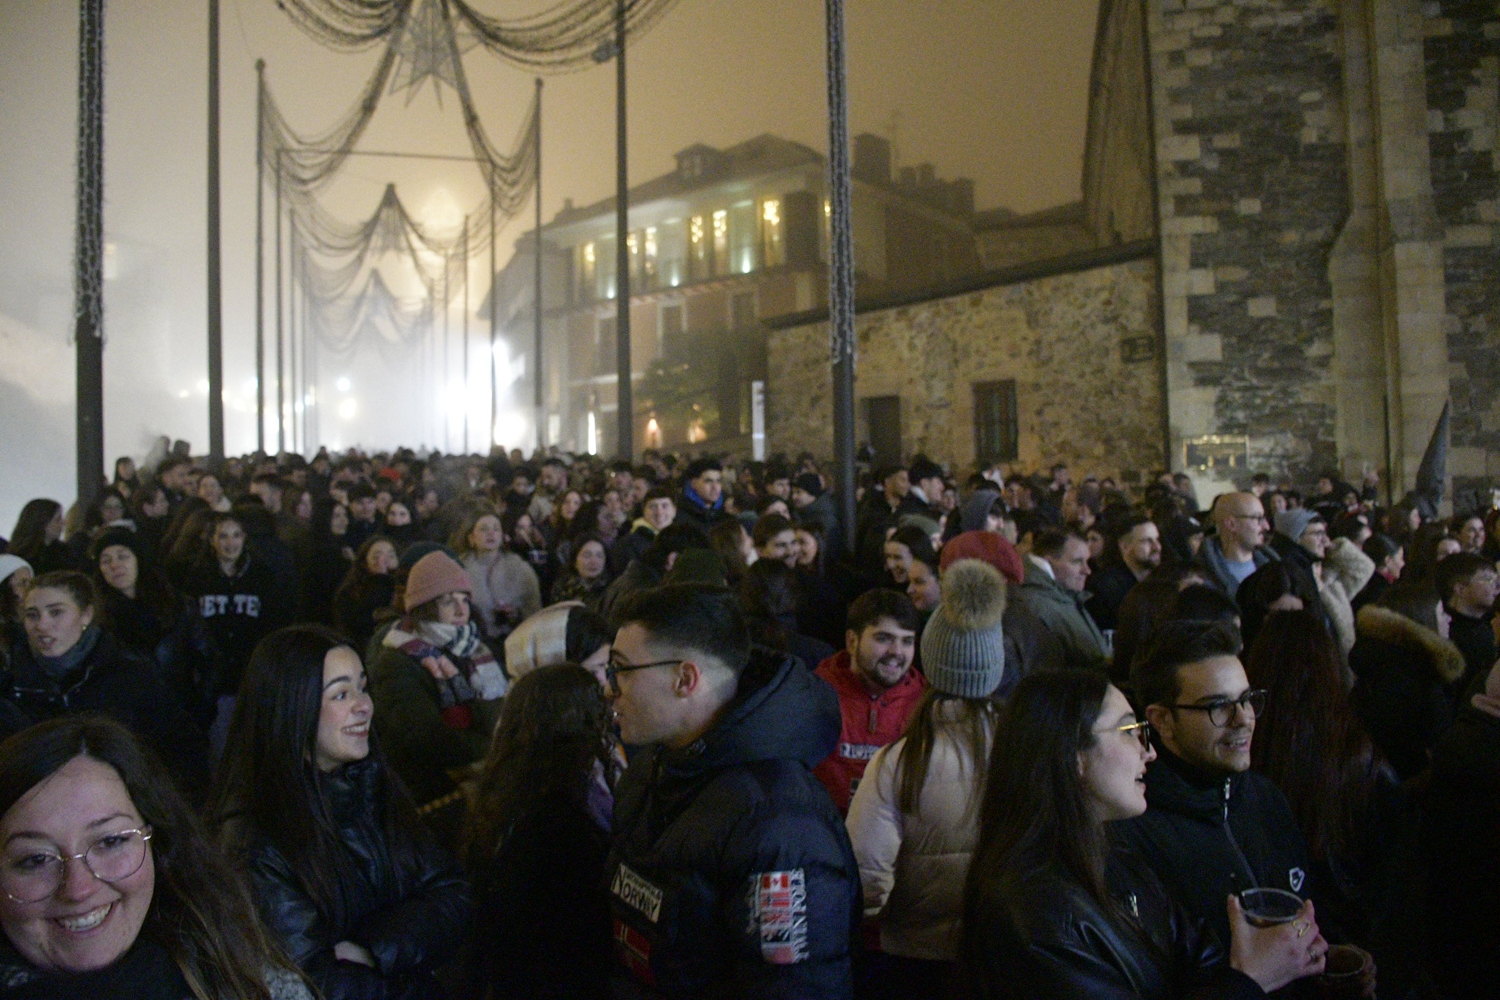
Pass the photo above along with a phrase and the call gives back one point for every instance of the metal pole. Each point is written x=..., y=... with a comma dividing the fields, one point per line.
x=88, y=253
x=447, y=355
x=466, y=335
x=280, y=338
x=624, y=395
x=293, y=280
x=494, y=329
x=215, y=290
x=841, y=272
x=536, y=296
x=260, y=256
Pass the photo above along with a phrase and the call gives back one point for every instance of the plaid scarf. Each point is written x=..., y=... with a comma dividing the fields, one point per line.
x=457, y=659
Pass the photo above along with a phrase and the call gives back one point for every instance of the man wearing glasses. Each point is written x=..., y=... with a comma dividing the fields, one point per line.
x=1234, y=552
x=730, y=871
x=1213, y=827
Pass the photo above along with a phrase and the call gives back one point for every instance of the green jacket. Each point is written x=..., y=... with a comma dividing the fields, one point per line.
x=425, y=751
x=1062, y=613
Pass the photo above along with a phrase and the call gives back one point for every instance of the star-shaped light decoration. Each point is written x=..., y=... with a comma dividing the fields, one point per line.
x=427, y=47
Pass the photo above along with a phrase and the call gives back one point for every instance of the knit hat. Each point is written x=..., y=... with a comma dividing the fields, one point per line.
x=925, y=525
x=118, y=536
x=974, y=514
x=539, y=641
x=963, y=646
x=9, y=564
x=986, y=546
x=434, y=575
x=809, y=483
x=1292, y=523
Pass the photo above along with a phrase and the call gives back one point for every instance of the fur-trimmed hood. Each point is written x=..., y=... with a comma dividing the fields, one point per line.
x=1383, y=625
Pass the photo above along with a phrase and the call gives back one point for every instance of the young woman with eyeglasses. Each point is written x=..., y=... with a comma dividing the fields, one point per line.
x=1051, y=909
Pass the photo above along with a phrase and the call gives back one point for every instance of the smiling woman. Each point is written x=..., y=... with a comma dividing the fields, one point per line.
x=87, y=824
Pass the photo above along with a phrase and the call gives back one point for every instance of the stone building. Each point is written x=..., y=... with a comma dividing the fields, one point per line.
x=728, y=240
x=1321, y=180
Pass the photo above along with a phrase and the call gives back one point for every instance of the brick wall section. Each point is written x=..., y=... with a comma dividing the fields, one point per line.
x=1253, y=180
x=1462, y=52
x=1059, y=337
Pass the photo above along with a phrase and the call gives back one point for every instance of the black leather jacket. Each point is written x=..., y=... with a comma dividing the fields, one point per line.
x=411, y=913
x=1047, y=938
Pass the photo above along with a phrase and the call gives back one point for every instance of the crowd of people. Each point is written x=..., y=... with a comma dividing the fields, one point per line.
x=402, y=726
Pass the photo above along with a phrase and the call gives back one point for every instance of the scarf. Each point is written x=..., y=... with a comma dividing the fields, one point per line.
x=457, y=659
x=58, y=667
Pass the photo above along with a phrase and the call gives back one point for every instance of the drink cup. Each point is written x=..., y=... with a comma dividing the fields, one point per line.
x=1270, y=907
x=1343, y=971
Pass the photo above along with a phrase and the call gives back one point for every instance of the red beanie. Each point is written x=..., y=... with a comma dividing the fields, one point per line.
x=434, y=575
x=986, y=546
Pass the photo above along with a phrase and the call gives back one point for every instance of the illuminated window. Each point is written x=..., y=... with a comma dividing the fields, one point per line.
x=633, y=243
x=772, y=249
x=721, y=242
x=586, y=270
x=698, y=258
x=649, y=257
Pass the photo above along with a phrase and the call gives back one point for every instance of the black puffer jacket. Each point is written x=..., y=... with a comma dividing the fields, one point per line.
x=731, y=873
x=116, y=682
x=410, y=909
x=1403, y=672
x=185, y=656
x=1207, y=836
x=1049, y=938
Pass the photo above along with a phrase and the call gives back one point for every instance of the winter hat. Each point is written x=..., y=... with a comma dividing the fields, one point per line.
x=434, y=575
x=974, y=514
x=986, y=546
x=925, y=525
x=809, y=483
x=118, y=536
x=963, y=646
x=1292, y=523
x=416, y=550
x=539, y=641
x=9, y=564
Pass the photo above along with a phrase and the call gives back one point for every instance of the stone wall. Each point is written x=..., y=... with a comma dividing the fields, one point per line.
x=1062, y=337
x=1252, y=181
x=1462, y=50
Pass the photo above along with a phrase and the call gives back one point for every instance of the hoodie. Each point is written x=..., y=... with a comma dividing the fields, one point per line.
x=730, y=872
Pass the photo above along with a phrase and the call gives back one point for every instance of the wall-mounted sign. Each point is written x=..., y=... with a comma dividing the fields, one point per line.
x=1218, y=453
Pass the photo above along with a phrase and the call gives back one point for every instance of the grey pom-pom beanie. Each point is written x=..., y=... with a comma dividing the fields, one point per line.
x=963, y=646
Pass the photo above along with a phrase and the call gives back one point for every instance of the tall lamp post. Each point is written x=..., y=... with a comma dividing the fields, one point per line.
x=840, y=271
x=88, y=252
x=624, y=394
x=215, y=306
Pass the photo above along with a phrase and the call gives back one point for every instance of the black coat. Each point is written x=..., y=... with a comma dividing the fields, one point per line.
x=1208, y=836
x=1109, y=587
x=355, y=607
x=145, y=972
x=126, y=687
x=1403, y=674
x=1461, y=833
x=1050, y=939
x=1475, y=638
x=731, y=873
x=542, y=929
x=409, y=908
x=179, y=645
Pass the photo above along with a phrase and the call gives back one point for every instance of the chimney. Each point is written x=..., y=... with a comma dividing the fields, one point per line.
x=924, y=174
x=908, y=177
x=872, y=159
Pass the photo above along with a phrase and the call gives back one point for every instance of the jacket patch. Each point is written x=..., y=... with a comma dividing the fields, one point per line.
x=858, y=751
x=634, y=952
x=636, y=892
x=225, y=604
x=778, y=915
x=1295, y=877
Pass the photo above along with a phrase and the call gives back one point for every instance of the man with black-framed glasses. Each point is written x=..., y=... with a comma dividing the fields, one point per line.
x=1213, y=828
x=730, y=870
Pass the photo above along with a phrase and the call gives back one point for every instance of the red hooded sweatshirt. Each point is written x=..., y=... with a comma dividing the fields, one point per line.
x=870, y=721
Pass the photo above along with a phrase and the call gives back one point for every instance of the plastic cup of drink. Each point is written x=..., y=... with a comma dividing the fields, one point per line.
x=1270, y=907
x=1343, y=969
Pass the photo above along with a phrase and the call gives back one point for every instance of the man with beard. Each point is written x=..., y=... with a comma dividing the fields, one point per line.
x=1213, y=828
x=877, y=688
x=1138, y=546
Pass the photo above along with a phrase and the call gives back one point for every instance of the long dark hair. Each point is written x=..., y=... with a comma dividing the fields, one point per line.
x=1308, y=741
x=268, y=783
x=973, y=722
x=554, y=727
x=200, y=910
x=30, y=535
x=769, y=594
x=1034, y=814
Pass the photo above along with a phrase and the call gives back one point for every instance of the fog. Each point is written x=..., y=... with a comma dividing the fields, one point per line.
x=996, y=90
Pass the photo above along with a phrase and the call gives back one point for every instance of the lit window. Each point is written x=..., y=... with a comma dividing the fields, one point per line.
x=648, y=258
x=721, y=241
x=772, y=251
x=698, y=261
x=586, y=270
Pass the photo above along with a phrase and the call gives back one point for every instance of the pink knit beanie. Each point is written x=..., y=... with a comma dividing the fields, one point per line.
x=434, y=575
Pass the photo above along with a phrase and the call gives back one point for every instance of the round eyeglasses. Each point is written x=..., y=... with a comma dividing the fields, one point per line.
x=1221, y=710
x=35, y=876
